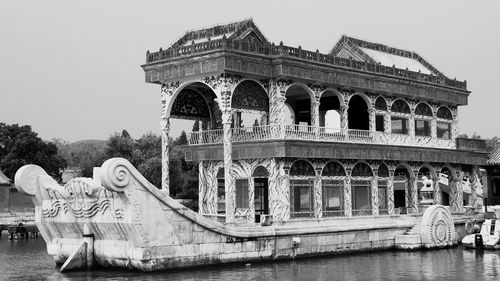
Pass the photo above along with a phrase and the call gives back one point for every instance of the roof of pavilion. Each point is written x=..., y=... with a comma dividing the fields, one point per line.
x=495, y=157
x=370, y=52
x=4, y=179
x=238, y=30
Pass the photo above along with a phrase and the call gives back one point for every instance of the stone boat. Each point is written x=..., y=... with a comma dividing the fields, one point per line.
x=122, y=220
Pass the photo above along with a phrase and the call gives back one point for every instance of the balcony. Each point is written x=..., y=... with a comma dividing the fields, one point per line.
x=315, y=134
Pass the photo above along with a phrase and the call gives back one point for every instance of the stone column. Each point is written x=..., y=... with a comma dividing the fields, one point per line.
x=374, y=195
x=474, y=183
x=318, y=198
x=454, y=124
x=251, y=197
x=387, y=123
x=411, y=125
x=347, y=194
x=315, y=112
x=202, y=188
x=344, y=119
x=456, y=193
x=279, y=191
x=413, y=194
x=165, y=181
x=390, y=193
x=437, y=190
x=277, y=102
x=434, y=127
x=371, y=117
x=228, y=160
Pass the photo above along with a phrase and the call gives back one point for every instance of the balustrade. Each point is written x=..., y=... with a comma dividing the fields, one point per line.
x=311, y=133
x=282, y=50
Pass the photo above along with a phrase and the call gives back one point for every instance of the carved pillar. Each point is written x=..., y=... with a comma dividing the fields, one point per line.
x=167, y=92
x=374, y=194
x=454, y=124
x=387, y=122
x=390, y=193
x=474, y=184
x=434, y=127
x=347, y=194
x=202, y=188
x=318, y=197
x=344, y=119
x=411, y=125
x=412, y=194
x=437, y=190
x=456, y=192
x=251, y=197
x=228, y=160
x=371, y=118
x=277, y=101
x=165, y=181
x=315, y=112
x=279, y=191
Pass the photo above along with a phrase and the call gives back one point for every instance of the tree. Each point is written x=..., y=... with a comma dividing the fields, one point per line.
x=120, y=145
x=19, y=146
x=196, y=126
x=182, y=139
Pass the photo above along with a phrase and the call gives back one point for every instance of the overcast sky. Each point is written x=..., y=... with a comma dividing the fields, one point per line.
x=71, y=70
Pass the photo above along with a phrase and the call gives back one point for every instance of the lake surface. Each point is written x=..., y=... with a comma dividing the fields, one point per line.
x=28, y=260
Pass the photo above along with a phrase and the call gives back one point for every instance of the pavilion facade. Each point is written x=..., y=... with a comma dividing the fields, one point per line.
x=361, y=131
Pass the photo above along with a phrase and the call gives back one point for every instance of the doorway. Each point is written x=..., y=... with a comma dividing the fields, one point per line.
x=261, y=198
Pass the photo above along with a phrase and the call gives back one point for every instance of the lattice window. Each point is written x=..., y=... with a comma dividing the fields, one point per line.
x=260, y=172
x=361, y=170
x=400, y=106
x=380, y=104
x=302, y=168
x=333, y=169
x=423, y=109
x=444, y=113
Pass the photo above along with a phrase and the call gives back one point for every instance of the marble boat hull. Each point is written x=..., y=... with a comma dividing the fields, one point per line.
x=122, y=220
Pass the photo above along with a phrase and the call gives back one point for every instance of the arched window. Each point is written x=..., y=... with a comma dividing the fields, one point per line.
x=444, y=113
x=444, y=126
x=380, y=104
x=383, y=177
x=221, y=192
x=360, y=188
x=251, y=105
x=400, y=106
x=333, y=177
x=423, y=113
x=423, y=109
x=302, y=176
x=358, y=113
x=399, y=123
x=401, y=188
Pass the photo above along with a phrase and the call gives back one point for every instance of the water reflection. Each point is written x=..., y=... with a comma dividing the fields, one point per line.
x=27, y=260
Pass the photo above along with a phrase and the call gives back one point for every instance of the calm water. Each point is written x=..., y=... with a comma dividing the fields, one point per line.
x=27, y=260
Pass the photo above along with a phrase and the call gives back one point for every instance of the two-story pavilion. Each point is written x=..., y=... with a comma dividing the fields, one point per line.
x=296, y=133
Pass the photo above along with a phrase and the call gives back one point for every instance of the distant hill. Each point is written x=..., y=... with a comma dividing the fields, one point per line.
x=80, y=152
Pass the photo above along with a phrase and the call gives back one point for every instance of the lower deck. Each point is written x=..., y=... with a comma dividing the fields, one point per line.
x=284, y=189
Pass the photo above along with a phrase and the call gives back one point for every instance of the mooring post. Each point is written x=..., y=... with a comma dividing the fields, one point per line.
x=88, y=237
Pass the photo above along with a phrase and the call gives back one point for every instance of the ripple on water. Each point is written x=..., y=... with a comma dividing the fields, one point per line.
x=28, y=260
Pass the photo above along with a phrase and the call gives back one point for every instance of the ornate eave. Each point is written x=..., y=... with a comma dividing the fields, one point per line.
x=260, y=66
x=321, y=150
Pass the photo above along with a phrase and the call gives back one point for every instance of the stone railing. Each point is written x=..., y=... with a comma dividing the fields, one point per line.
x=281, y=50
x=471, y=144
x=319, y=134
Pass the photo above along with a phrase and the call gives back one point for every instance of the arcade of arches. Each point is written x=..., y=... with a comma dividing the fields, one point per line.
x=323, y=189
x=227, y=102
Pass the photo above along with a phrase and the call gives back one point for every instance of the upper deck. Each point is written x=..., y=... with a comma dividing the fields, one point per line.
x=218, y=74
